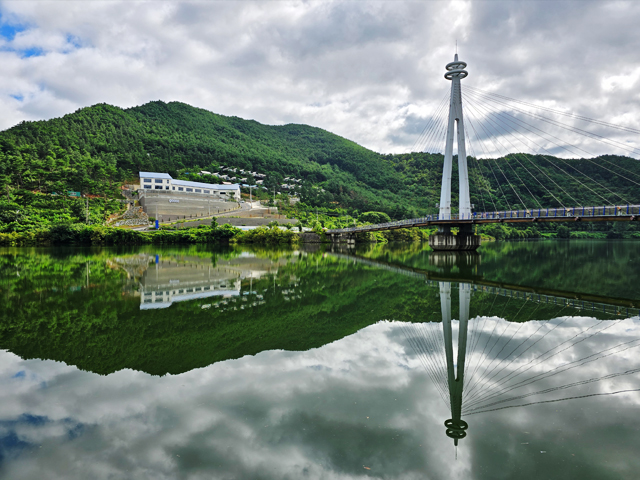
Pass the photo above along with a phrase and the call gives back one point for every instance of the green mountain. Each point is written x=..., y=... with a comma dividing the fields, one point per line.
x=95, y=149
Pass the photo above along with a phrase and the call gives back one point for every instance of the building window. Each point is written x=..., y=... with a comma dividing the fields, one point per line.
x=222, y=193
x=147, y=180
x=206, y=191
x=147, y=186
x=167, y=187
x=158, y=180
x=174, y=188
x=189, y=189
x=198, y=190
x=180, y=189
x=158, y=187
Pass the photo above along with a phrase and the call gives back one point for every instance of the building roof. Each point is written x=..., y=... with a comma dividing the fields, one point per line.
x=213, y=186
x=155, y=175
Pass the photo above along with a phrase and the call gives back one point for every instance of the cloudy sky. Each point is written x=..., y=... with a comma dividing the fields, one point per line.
x=367, y=70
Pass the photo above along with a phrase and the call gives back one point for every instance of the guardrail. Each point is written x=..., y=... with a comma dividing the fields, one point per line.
x=602, y=211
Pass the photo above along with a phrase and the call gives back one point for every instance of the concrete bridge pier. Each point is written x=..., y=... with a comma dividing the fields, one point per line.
x=445, y=240
x=348, y=238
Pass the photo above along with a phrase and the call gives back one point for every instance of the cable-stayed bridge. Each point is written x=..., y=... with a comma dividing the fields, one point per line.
x=519, y=187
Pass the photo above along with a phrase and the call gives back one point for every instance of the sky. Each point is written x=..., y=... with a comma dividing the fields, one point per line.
x=370, y=71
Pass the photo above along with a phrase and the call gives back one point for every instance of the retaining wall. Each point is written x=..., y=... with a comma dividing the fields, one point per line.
x=171, y=206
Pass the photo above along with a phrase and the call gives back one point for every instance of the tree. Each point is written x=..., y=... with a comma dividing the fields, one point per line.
x=563, y=231
x=374, y=217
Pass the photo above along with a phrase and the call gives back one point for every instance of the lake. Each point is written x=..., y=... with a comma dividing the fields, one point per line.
x=384, y=361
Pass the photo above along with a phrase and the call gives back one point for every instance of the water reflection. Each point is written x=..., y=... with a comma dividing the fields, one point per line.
x=509, y=370
x=165, y=279
x=323, y=365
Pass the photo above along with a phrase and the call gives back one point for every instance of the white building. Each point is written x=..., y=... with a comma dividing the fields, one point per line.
x=164, y=181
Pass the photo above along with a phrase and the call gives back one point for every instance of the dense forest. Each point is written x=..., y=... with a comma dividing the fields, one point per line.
x=95, y=149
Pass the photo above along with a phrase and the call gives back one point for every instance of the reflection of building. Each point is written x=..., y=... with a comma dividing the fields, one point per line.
x=167, y=279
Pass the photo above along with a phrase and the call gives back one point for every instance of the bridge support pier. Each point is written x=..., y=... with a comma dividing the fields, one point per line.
x=348, y=238
x=445, y=240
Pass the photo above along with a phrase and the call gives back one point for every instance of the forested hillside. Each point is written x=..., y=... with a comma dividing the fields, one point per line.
x=95, y=149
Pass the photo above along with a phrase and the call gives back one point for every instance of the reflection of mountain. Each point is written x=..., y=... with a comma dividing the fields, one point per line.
x=292, y=301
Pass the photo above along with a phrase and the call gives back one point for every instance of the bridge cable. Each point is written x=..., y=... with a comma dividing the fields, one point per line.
x=474, y=343
x=435, y=348
x=429, y=124
x=518, y=122
x=472, y=385
x=506, y=378
x=581, y=183
x=481, y=182
x=557, y=400
x=487, y=378
x=579, y=131
x=439, y=138
x=488, y=160
x=410, y=338
x=435, y=359
x=500, y=169
x=434, y=126
x=534, y=164
x=475, y=335
x=515, y=349
x=425, y=333
x=482, y=357
x=479, y=385
x=562, y=387
x=502, y=316
x=506, y=157
x=535, y=378
x=600, y=157
x=567, y=114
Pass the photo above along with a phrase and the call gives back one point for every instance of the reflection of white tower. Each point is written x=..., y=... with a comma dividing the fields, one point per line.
x=456, y=427
x=455, y=72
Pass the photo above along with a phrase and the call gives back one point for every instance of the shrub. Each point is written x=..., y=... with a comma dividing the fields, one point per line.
x=374, y=217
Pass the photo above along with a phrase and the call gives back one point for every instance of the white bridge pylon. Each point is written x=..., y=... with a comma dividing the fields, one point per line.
x=455, y=72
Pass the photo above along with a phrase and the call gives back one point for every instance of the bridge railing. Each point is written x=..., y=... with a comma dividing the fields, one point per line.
x=593, y=211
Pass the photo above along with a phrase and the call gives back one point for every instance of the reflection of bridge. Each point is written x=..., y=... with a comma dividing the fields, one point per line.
x=579, y=301
x=504, y=365
x=502, y=128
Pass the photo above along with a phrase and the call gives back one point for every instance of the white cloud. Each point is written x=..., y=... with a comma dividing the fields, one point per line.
x=352, y=67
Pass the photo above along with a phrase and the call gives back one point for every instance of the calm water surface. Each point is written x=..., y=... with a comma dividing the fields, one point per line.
x=194, y=363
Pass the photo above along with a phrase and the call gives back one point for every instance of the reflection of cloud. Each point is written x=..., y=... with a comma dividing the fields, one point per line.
x=325, y=413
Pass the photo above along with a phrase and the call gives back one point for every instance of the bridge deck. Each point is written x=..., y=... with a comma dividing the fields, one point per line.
x=616, y=213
